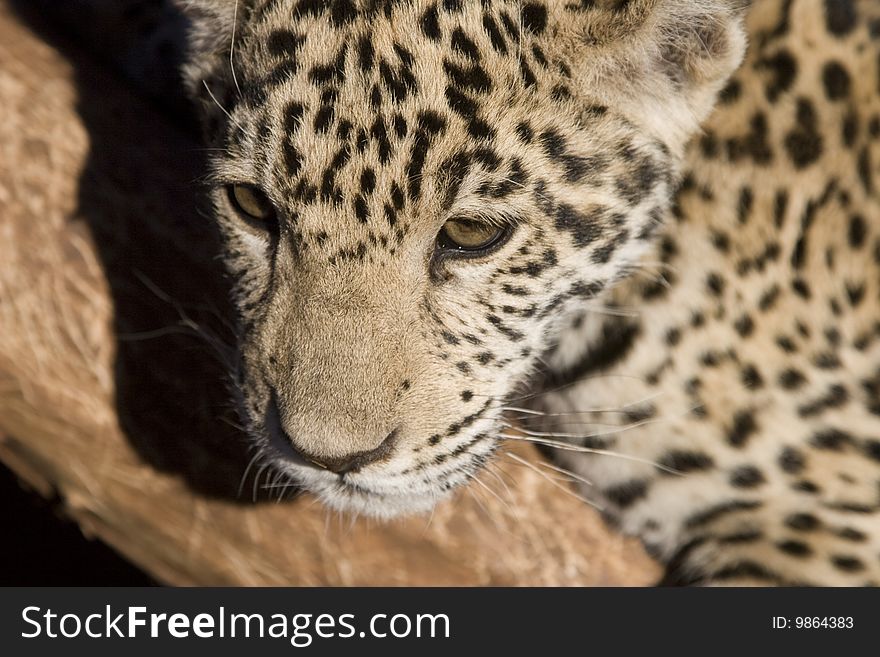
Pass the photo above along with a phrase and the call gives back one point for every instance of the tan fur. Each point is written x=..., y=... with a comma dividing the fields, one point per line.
x=813, y=524
x=721, y=391
x=353, y=327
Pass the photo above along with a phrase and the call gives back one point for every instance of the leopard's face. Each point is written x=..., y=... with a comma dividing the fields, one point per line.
x=417, y=197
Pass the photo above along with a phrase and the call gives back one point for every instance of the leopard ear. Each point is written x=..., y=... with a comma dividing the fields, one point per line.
x=210, y=28
x=662, y=62
x=211, y=22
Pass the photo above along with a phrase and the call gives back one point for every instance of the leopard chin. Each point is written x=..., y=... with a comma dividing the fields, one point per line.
x=359, y=493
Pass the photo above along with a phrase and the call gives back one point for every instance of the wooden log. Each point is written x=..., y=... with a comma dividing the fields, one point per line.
x=112, y=311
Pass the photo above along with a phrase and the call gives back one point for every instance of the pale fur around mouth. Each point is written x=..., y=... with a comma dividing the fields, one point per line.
x=340, y=493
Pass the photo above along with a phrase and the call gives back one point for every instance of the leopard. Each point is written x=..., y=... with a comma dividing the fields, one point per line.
x=643, y=235
x=741, y=373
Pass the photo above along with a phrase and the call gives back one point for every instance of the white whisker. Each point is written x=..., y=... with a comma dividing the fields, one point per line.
x=576, y=436
x=494, y=494
x=232, y=48
x=554, y=483
x=568, y=473
x=531, y=395
x=223, y=109
x=607, y=409
x=569, y=447
x=612, y=311
x=480, y=504
x=257, y=482
x=245, y=474
x=493, y=470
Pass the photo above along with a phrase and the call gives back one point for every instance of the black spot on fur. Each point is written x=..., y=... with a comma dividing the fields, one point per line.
x=360, y=209
x=379, y=133
x=746, y=569
x=626, y=494
x=525, y=132
x=324, y=118
x=835, y=397
x=785, y=343
x=615, y=342
x=831, y=439
x=683, y=461
x=639, y=182
x=799, y=287
x=746, y=476
x=750, y=377
x=366, y=54
x=802, y=522
x=806, y=486
x=509, y=26
x=584, y=229
x=783, y=68
x=852, y=534
x=528, y=77
x=754, y=144
x=804, y=142
x=794, y=548
x=680, y=570
x=865, y=170
x=792, y=461
x=840, y=16
x=857, y=231
x=430, y=26
x=473, y=78
x=731, y=92
x=744, y=325
x=342, y=12
x=495, y=36
x=713, y=513
x=791, y=379
x=836, y=81
x=534, y=17
x=780, y=205
x=284, y=43
x=715, y=283
x=463, y=44
x=743, y=427
x=292, y=159
x=847, y=563
x=323, y=74
x=739, y=538
x=744, y=204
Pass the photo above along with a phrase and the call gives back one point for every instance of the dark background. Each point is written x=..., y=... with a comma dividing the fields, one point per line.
x=41, y=548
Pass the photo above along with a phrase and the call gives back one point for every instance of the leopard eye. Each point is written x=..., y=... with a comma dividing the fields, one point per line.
x=251, y=202
x=470, y=237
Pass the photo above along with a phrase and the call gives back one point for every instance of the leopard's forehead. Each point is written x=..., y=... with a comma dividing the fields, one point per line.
x=380, y=115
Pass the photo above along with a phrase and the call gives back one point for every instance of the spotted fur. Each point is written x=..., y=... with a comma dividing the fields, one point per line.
x=684, y=311
x=750, y=366
x=374, y=366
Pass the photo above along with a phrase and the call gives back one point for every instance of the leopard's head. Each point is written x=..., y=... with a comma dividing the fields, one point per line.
x=416, y=195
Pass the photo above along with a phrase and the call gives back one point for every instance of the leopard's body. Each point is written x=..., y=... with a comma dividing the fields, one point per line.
x=699, y=305
x=753, y=344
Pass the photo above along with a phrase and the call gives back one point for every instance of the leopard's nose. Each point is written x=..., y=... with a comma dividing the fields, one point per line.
x=351, y=462
x=339, y=464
